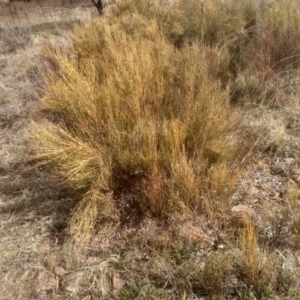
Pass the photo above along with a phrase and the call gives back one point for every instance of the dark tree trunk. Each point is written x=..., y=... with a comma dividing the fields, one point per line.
x=99, y=5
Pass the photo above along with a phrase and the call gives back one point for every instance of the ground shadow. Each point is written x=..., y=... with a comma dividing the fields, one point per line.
x=32, y=193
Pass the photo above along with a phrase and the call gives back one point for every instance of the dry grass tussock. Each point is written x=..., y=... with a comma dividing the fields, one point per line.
x=148, y=120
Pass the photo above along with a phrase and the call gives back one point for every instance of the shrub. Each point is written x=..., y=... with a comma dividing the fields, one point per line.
x=270, y=55
x=138, y=119
x=215, y=275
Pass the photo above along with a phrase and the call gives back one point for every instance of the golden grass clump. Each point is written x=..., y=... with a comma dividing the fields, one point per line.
x=257, y=267
x=136, y=116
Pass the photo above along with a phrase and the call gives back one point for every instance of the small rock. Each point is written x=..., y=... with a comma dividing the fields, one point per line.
x=276, y=196
x=59, y=271
x=289, y=160
x=72, y=281
x=118, y=282
x=48, y=283
x=242, y=215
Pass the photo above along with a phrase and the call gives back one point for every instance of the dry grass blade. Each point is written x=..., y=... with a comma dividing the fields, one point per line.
x=92, y=208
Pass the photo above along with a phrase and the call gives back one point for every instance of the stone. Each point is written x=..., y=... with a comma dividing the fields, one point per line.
x=49, y=282
x=118, y=282
x=289, y=160
x=72, y=281
x=241, y=215
x=59, y=271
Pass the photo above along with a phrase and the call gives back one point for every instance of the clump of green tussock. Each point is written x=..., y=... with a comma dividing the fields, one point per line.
x=282, y=30
x=214, y=277
x=138, y=117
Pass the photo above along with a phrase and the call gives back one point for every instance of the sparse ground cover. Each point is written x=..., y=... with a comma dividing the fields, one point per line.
x=171, y=140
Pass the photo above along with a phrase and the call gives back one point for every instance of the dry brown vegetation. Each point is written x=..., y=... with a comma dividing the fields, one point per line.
x=162, y=159
x=154, y=129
